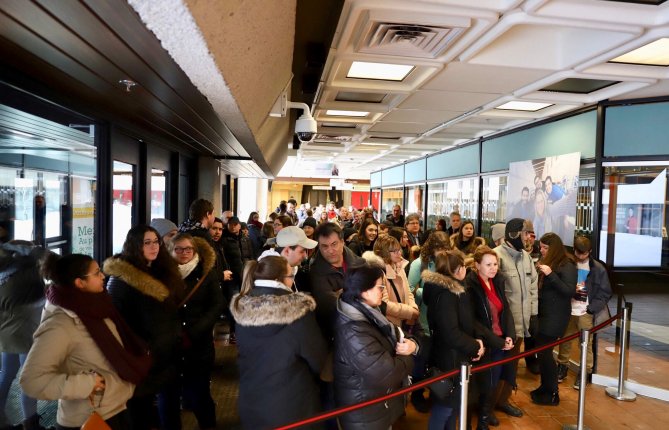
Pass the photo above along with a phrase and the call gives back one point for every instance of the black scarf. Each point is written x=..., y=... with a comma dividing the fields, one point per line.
x=131, y=360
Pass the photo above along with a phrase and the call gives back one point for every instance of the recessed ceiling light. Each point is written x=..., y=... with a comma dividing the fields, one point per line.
x=653, y=54
x=355, y=113
x=524, y=106
x=381, y=71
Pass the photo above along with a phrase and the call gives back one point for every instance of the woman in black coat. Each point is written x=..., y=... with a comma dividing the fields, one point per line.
x=281, y=349
x=371, y=356
x=454, y=339
x=198, y=312
x=146, y=287
x=494, y=322
x=557, y=285
x=364, y=241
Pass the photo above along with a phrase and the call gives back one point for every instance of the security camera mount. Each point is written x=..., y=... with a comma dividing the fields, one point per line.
x=305, y=126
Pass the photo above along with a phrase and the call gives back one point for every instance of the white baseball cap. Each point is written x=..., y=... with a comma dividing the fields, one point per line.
x=292, y=236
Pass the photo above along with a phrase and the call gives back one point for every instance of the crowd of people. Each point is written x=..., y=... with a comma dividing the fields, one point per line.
x=327, y=308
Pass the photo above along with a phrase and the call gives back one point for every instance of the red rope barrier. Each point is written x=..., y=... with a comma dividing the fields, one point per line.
x=424, y=383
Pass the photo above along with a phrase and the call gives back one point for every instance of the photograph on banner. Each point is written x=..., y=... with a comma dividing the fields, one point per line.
x=544, y=191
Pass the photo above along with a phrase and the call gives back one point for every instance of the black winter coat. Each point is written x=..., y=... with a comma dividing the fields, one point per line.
x=365, y=367
x=281, y=352
x=598, y=286
x=326, y=285
x=555, y=295
x=202, y=310
x=233, y=255
x=449, y=313
x=143, y=303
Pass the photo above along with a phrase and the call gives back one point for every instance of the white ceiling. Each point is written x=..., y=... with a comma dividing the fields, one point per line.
x=472, y=56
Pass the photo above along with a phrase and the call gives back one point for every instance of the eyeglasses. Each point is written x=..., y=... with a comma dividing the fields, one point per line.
x=96, y=273
x=396, y=250
x=152, y=242
x=381, y=286
x=186, y=250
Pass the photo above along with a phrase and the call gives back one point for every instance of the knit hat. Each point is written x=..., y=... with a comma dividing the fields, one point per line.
x=514, y=225
x=163, y=226
x=310, y=222
x=528, y=226
x=349, y=231
x=233, y=220
x=498, y=231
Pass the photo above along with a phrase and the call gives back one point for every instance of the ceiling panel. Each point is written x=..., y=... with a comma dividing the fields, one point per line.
x=420, y=116
x=447, y=100
x=483, y=79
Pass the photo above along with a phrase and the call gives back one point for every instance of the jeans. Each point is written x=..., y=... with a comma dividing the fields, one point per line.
x=577, y=323
x=10, y=368
x=441, y=417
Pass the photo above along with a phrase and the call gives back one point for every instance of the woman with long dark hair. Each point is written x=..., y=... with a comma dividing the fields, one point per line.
x=84, y=355
x=557, y=285
x=371, y=355
x=367, y=234
x=454, y=339
x=465, y=239
x=281, y=349
x=493, y=320
x=146, y=286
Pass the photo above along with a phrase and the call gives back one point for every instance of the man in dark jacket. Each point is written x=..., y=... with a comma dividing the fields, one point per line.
x=396, y=217
x=200, y=218
x=593, y=292
x=327, y=273
x=230, y=242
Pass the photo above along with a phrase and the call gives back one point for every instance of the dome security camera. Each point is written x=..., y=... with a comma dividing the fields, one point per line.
x=305, y=128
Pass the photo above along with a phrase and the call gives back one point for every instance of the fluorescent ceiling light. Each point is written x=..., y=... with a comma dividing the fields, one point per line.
x=524, y=106
x=374, y=144
x=653, y=54
x=355, y=113
x=381, y=71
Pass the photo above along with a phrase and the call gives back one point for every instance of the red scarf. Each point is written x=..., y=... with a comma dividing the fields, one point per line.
x=496, y=306
x=131, y=359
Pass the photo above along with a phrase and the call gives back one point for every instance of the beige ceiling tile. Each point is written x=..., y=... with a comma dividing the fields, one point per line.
x=421, y=116
x=447, y=100
x=401, y=127
x=483, y=79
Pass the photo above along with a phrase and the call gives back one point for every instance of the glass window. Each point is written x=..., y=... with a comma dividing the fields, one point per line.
x=158, y=186
x=39, y=160
x=493, y=206
x=455, y=195
x=415, y=195
x=634, y=225
x=122, y=214
x=389, y=198
x=376, y=201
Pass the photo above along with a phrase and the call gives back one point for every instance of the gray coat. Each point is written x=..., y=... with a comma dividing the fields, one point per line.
x=520, y=286
x=59, y=367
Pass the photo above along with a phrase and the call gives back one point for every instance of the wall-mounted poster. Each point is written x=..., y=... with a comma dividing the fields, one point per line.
x=544, y=191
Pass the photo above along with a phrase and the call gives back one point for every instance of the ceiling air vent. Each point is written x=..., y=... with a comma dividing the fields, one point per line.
x=407, y=40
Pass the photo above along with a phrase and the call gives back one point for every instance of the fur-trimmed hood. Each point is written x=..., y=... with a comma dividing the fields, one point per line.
x=271, y=309
x=475, y=242
x=136, y=278
x=206, y=253
x=442, y=281
x=371, y=258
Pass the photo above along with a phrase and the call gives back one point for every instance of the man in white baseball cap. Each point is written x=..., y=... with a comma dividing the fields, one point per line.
x=292, y=244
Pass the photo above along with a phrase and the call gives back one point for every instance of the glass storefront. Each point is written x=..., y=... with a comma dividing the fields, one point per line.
x=455, y=195
x=493, y=205
x=415, y=195
x=47, y=181
x=123, y=180
x=634, y=221
x=389, y=198
x=158, y=187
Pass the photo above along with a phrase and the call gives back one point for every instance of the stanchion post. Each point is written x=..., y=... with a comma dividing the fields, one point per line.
x=620, y=393
x=583, y=375
x=465, y=371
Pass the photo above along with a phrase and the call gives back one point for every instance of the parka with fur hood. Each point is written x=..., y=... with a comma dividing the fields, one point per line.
x=450, y=315
x=281, y=353
x=142, y=301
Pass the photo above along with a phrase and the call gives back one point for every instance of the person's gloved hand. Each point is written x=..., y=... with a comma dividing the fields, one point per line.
x=534, y=325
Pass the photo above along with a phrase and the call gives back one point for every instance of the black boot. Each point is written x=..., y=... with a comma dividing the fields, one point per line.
x=32, y=423
x=419, y=402
x=546, y=398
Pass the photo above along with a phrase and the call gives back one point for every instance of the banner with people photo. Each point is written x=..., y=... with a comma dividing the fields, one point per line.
x=544, y=191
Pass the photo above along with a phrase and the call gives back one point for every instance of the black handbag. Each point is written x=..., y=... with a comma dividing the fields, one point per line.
x=442, y=389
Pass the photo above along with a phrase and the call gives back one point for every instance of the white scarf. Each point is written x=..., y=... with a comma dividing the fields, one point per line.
x=271, y=283
x=186, y=268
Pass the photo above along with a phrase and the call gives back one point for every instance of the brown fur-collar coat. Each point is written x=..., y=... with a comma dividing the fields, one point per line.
x=136, y=278
x=266, y=309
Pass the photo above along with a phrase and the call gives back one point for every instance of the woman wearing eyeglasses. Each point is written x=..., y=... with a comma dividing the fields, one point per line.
x=372, y=357
x=281, y=349
x=199, y=311
x=84, y=354
x=146, y=287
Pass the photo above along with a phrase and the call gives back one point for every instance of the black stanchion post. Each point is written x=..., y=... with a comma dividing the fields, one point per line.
x=583, y=375
x=465, y=372
x=620, y=393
